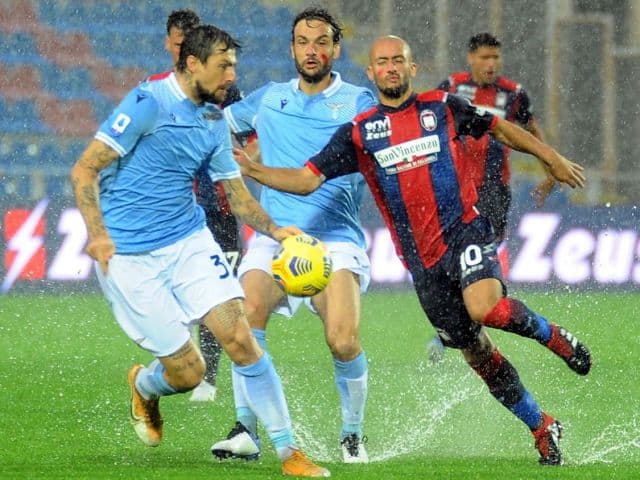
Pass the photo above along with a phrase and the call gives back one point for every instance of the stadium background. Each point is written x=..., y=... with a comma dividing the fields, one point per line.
x=64, y=64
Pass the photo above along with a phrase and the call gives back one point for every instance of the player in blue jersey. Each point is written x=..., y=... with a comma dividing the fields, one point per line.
x=293, y=120
x=158, y=265
x=210, y=196
x=416, y=167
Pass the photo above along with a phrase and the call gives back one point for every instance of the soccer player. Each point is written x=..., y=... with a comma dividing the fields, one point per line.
x=409, y=150
x=484, y=86
x=158, y=265
x=293, y=120
x=210, y=196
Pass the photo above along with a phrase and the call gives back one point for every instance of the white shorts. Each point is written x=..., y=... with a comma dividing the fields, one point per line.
x=156, y=296
x=344, y=256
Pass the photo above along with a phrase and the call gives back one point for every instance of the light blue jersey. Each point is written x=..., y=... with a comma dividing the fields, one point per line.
x=292, y=127
x=163, y=138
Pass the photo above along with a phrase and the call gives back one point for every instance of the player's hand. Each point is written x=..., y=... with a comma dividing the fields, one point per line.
x=543, y=190
x=243, y=159
x=284, y=232
x=101, y=249
x=566, y=171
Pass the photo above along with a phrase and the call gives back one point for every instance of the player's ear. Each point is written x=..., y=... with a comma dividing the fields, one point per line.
x=413, y=69
x=370, y=73
x=293, y=53
x=337, y=48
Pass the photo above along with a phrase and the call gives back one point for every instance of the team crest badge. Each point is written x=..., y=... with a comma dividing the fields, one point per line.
x=428, y=120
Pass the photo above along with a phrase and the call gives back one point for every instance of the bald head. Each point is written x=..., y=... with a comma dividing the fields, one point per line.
x=389, y=43
x=392, y=69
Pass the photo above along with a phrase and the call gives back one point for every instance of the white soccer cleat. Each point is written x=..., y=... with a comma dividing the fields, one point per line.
x=353, y=450
x=240, y=443
x=205, y=392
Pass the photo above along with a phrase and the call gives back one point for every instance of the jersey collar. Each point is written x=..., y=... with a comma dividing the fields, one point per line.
x=405, y=104
x=334, y=86
x=174, y=87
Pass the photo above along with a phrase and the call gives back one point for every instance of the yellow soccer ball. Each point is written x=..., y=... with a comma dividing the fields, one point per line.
x=302, y=267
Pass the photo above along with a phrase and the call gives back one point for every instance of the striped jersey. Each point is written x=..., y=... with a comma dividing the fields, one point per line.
x=414, y=163
x=504, y=98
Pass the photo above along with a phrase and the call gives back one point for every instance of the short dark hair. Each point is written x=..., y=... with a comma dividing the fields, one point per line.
x=483, y=40
x=200, y=42
x=317, y=13
x=184, y=20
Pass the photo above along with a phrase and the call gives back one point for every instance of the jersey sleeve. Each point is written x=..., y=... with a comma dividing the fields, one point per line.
x=338, y=157
x=241, y=115
x=523, y=113
x=134, y=117
x=365, y=101
x=222, y=165
x=470, y=120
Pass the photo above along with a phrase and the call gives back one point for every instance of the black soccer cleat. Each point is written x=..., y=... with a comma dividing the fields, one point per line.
x=548, y=437
x=564, y=344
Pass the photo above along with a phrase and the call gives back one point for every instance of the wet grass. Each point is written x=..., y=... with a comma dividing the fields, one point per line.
x=63, y=412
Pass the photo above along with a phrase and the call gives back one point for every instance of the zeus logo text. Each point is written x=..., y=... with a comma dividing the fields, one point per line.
x=378, y=129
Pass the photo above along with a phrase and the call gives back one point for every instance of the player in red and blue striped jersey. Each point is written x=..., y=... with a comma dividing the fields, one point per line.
x=484, y=87
x=410, y=151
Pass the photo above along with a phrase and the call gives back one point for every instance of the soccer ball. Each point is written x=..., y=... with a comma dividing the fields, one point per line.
x=302, y=267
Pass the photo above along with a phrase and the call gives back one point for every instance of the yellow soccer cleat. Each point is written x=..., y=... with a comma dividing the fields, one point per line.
x=145, y=414
x=298, y=465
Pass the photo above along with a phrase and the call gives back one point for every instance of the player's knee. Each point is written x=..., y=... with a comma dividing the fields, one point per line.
x=344, y=348
x=257, y=313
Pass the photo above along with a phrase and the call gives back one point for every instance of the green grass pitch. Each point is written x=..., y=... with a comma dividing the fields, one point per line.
x=63, y=412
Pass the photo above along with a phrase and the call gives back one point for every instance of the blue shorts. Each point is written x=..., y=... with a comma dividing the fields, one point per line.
x=471, y=256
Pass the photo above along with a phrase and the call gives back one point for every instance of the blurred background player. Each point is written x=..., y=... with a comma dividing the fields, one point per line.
x=293, y=120
x=159, y=267
x=483, y=85
x=211, y=197
x=418, y=180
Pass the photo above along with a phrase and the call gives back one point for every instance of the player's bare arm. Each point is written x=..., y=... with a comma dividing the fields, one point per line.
x=302, y=181
x=541, y=191
x=249, y=211
x=561, y=168
x=84, y=178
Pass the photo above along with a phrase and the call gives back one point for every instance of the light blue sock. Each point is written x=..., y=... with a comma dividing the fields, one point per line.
x=261, y=387
x=151, y=383
x=243, y=413
x=351, y=380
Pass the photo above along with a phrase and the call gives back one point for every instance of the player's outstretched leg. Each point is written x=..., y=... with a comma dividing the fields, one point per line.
x=513, y=316
x=211, y=350
x=504, y=384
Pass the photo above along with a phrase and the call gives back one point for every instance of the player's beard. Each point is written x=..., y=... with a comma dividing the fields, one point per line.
x=395, y=92
x=204, y=95
x=315, y=77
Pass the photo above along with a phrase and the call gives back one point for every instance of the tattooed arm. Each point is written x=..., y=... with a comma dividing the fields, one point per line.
x=251, y=213
x=84, y=178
